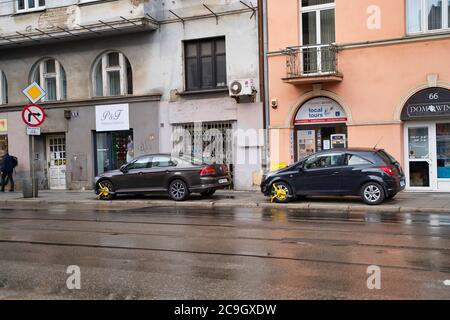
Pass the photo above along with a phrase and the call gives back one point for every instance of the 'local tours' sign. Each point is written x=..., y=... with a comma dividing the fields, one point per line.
x=320, y=110
x=427, y=104
x=114, y=117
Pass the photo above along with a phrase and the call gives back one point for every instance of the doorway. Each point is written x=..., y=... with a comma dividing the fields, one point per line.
x=420, y=146
x=56, y=159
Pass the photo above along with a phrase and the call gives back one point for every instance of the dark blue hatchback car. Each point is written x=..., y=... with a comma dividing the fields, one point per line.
x=372, y=174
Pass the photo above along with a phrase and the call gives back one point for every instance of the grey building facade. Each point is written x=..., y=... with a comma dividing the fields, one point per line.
x=121, y=77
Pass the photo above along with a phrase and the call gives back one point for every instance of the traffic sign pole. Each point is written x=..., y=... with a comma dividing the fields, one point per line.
x=33, y=116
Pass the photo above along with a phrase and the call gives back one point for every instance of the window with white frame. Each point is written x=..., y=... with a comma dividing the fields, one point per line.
x=112, y=75
x=50, y=75
x=30, y=5
x=427, y=16
x=3, y=88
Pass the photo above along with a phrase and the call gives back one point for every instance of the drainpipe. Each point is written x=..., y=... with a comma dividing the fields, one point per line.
x=264, y=78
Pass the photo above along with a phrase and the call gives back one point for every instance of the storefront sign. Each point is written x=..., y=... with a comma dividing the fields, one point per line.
x=113, y=117
x=320, y=110
x=3, y=125
x=428, y=104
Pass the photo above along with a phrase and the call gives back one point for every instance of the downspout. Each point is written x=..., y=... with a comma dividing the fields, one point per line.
x=264, y=78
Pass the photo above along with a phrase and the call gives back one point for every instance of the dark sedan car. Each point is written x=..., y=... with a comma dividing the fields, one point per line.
x=372, y=174
x=163, y=173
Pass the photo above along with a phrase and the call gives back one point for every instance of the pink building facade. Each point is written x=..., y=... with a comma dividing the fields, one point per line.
x=362, y=73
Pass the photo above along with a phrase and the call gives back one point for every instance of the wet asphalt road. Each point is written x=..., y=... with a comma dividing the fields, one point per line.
x=174, y=253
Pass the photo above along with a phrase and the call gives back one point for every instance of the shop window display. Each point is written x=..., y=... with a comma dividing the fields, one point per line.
x=113, y=149
x=443, y=150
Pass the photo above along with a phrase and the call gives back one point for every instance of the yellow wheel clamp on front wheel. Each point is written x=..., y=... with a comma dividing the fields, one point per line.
x=280, y=194
x=102, y=191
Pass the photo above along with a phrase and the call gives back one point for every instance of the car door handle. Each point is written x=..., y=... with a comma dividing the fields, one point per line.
x=140, y=172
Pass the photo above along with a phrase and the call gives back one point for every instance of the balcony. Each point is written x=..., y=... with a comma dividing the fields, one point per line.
x=312, y=64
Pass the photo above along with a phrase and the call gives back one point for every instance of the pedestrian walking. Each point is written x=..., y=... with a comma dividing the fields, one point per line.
x=7, y=170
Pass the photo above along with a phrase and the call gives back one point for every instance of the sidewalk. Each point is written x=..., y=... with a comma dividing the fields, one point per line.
x=404, y=202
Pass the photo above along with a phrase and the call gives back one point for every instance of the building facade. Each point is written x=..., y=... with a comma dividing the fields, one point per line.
x=362, y=73
x=121, y=78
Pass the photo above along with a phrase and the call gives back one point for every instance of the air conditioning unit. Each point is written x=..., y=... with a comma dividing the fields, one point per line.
x=242, y=88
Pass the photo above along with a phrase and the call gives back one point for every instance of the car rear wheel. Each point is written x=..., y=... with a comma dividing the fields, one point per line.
x=105, y=190
x=372, y=193
x=281, y=192
x=178, y=190
x=208, y=193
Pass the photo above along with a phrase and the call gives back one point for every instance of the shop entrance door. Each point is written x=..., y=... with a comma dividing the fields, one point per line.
x=420, y=155
x=56, y=158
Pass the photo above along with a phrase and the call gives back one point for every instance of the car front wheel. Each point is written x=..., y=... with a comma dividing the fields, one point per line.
x=178, y=190
x=105, y=190
x=372, y=193
x=281, y=192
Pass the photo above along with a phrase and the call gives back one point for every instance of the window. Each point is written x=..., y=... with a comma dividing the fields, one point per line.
x=427, y=15
x=162, y=162
x=50, y=75
x=140, y=163
x=3, y=88
x=325, y=161
x=318, y=30
x=205, y=64
x=30, y=5
x=354, y=160
x=112, y=75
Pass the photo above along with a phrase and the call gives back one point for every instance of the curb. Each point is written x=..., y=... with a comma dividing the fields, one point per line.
x=236, y=204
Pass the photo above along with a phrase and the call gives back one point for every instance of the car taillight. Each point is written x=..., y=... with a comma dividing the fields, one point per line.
x=208, y=171
x=389, y=171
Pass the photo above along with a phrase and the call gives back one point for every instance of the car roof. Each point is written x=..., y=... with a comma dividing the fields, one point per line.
x=373, y=150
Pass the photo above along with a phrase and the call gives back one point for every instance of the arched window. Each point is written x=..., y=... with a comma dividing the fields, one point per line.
x=3, y=88
x=112, y=75
x=50, y=75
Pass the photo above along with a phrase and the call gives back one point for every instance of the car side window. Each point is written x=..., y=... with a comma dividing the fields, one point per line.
x=140, y=163
x=354, y=160
x=163, y=162
x=325, y=161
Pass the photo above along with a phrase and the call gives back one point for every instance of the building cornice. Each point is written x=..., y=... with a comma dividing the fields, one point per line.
x=86, y=102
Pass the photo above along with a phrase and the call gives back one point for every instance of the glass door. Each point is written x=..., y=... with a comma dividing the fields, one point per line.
x=420, y=155
x=318, y=32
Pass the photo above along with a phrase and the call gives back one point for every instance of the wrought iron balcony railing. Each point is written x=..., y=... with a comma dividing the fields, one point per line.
x=312, y=61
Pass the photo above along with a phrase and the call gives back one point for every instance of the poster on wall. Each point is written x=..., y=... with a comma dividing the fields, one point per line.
x=306, y=143
x=114, y=117
x=320, y=110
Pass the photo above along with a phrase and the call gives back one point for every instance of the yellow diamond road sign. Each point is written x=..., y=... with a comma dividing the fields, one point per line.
x=34, y=92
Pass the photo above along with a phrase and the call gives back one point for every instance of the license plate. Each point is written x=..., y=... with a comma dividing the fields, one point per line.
x=223, y=180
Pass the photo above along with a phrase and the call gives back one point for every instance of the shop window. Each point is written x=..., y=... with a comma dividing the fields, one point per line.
x=3, y=146
x=112, y=75
x=30, y=5
x=205, y=64
x=427, y=15
x=443, y=150
x=112, y=150
x=3, y=88
x=51, y=76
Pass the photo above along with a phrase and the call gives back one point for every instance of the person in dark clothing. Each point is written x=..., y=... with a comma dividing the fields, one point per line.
x=7, y=169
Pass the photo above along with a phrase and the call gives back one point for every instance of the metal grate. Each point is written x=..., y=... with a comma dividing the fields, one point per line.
x=210, y=142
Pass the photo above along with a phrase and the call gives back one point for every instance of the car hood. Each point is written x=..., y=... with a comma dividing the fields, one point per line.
x=109, y=174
